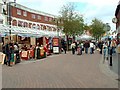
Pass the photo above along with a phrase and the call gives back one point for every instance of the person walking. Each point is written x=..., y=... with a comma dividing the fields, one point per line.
x=73, y=48
x=65, y=47
x=16, y=51
x=105, y=51
x=113, y=46
x=100, y=45
x=91, y=47
x=86, y=46
x=79, y=49
x=9, y=51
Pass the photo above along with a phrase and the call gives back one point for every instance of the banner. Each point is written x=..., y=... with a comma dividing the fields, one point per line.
x=24, y=54
x=55, y=42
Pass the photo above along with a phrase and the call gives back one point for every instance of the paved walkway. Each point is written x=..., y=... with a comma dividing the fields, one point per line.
x=116, y=63
x=59, y=71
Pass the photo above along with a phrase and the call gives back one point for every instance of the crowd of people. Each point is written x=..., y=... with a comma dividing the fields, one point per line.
x=11, y=49
x=80, y=46
x=90, y=46
x=107, y=47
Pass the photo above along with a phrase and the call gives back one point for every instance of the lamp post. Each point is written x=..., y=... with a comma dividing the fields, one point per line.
x=9, y=14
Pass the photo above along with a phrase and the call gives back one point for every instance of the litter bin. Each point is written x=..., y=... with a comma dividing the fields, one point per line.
x=38, y=53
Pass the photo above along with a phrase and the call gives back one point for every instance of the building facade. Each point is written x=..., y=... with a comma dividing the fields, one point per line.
x=17, y=15
x=117, y=15
x=22, y=16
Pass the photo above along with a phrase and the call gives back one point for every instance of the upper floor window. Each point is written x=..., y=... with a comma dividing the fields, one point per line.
x=18, y=12
x=25, y=13
x=46, y=18
x=50, y=19
x=33, y=16
x=39, y=17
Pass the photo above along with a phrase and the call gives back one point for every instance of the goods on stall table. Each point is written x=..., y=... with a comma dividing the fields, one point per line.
x=2, y=58
x=118, y=48
x=31, y=53
x=24, y=55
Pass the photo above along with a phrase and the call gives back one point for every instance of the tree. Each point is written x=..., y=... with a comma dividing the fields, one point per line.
x=97, y=28
x=72, y=22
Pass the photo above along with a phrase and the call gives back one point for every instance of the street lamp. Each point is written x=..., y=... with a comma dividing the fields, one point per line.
x=6, y=2
x=57, y=28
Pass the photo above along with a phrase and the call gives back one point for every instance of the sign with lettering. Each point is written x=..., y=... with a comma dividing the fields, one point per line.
x=55, y=42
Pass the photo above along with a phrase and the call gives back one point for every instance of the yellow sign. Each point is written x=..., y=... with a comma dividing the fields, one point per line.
x=41, y=51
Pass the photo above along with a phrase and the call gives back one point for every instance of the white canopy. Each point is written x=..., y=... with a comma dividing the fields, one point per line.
x=84, y=37
x=25, y=32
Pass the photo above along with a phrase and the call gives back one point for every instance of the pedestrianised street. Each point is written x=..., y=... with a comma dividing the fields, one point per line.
x=59, y=71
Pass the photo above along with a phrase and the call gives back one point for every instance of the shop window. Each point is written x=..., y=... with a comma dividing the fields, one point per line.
x=33, y=16
x=20, y=23
x=18, y=12
x=25, y=24
x=34, y=26
x=25, y=13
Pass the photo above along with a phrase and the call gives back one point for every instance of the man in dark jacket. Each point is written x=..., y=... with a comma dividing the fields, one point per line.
x=8, y=53
x=86, y=46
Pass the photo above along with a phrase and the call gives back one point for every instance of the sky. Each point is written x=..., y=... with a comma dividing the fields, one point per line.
x=103, y=10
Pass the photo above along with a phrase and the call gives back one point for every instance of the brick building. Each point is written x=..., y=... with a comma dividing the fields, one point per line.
x=23, y=17
x=26, y=17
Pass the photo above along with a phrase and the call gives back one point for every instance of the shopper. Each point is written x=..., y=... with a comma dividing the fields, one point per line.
x=73, y=48
x=86, y=46
x=105, y=51
x=91, y=48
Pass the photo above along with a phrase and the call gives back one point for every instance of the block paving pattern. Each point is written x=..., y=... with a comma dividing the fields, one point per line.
x=59, y=71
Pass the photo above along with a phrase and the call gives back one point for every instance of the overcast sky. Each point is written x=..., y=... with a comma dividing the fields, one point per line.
x=101, y=9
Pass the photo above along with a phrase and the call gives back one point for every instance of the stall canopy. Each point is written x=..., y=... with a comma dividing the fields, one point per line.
x=24, y=32
x=84, y=37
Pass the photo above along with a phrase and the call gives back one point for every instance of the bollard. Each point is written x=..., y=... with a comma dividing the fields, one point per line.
x=111, y=57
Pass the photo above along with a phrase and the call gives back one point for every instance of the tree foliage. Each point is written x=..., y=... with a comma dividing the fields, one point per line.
x=97, y=28
x=72, y=22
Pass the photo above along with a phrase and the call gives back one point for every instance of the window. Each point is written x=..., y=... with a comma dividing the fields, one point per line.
x=39, y=17
x=50, y=19
x=25, y=13
x=18, y=12
x=33, y=16
x=46, y=18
